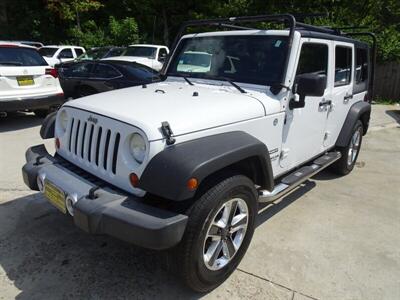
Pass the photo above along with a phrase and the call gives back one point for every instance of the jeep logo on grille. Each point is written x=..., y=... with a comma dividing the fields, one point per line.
x=92, y=119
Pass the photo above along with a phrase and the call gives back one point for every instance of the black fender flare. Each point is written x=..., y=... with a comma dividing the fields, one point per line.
x=48, y=126
x=167, y=173
x=358, y=111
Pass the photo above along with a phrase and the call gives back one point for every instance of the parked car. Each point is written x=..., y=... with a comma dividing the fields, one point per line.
x=29, y=43
x=92, y=54
x=92, y=77
x=184, y=164
x=60, y=54
x=152, y=56
x=26, y=81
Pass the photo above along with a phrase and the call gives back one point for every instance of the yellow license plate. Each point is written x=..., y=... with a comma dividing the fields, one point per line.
x=55, y=196
x=25, y=80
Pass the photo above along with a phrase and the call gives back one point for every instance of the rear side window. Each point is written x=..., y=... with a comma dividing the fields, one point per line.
x=78, y=52
x=105, y=71
x=342, y=65
x=313, y=59
x=14, y=56
x=66, y=53
x=361, y=65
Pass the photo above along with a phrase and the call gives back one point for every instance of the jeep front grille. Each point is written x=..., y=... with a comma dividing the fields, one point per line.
x=94, y=144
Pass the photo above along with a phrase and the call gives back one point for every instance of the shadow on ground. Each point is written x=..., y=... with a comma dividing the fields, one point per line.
x=47, y=257
x=395, y=114
x=18, y=121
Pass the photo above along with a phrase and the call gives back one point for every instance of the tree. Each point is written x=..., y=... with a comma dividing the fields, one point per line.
x=70, y=10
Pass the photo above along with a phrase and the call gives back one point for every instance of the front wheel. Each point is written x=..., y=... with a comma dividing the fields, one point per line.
x=218, y=233
x=41, y=113
x=350, y=153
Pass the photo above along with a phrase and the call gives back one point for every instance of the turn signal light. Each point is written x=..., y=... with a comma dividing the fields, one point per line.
x=134, y=179
x=53, y=72
x=192, y=184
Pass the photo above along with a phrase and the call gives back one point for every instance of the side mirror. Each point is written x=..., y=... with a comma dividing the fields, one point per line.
x=162, y=58
x=309, y=84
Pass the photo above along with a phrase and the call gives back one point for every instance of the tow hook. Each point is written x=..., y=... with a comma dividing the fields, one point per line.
x=167, y=133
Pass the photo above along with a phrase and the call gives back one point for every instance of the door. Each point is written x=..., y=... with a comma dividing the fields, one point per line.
x=342, y=91
x=104, y=77
x=304, y=128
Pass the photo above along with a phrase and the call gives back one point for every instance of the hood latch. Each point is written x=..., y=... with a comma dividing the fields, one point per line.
x=167, y=133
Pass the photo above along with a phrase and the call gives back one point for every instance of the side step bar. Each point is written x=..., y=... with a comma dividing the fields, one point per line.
x=293, y=180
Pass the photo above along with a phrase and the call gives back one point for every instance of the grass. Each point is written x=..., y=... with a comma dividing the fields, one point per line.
x=386, y=101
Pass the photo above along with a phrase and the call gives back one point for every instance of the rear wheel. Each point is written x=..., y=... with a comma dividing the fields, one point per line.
x=350, y=153
x=218, y=233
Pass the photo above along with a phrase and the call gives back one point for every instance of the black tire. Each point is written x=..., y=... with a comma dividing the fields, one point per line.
x=188, y=255
x=84, y=91
x=346, y=164
x=42, y=113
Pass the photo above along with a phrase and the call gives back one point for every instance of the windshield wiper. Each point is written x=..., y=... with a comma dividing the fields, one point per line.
x=227, y=80
x=187, y=80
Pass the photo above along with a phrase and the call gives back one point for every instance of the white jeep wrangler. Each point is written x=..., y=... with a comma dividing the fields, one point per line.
x=183, y=164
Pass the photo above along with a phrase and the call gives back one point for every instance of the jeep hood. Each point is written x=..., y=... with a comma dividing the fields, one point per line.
x=186, y=108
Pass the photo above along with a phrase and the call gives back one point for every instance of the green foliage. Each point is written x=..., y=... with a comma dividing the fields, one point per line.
x=99, y=22
x=117, y=33
x=70, y=9
x=123, y=32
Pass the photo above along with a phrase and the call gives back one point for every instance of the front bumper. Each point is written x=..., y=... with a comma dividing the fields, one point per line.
x=42, y=102
x=112, y=212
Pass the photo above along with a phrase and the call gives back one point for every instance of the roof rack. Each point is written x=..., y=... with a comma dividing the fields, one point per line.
x=286, y=19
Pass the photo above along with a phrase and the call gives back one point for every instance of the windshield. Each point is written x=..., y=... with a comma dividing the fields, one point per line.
x=48, y=52
x=256, y=59
x=141, y=51
x=15, y=56
x=94, y=54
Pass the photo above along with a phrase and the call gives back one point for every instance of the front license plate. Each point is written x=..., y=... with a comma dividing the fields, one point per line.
x=25, y=80
x=55, y=196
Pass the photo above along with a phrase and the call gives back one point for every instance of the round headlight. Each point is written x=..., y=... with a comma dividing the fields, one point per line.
x=63, y=120
x=138, y=147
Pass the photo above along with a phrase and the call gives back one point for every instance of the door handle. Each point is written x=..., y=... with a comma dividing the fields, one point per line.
x=347, y=98
x=325, y=102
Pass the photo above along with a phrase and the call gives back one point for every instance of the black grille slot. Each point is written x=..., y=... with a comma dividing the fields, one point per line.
x=83, y=139
x=115, y=153
x=90, y=143
x=98, y=146
x=106, y=149
x=70, y=134
x=76, y=137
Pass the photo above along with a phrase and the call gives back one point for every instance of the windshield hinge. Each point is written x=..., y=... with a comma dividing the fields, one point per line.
x=167, y=133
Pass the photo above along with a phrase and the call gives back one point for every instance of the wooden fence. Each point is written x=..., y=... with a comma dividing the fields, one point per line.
x=387, y=81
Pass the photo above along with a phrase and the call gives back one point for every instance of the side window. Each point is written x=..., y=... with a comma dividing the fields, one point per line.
x=79, y=70
x=105, y=71
x=342, y=65
x=78, y=52
x=361, y=74
x=162, y=54
x=65, y=53
x=313, y=59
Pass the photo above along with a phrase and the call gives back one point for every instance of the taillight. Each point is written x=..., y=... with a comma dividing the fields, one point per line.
x=52, y=72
